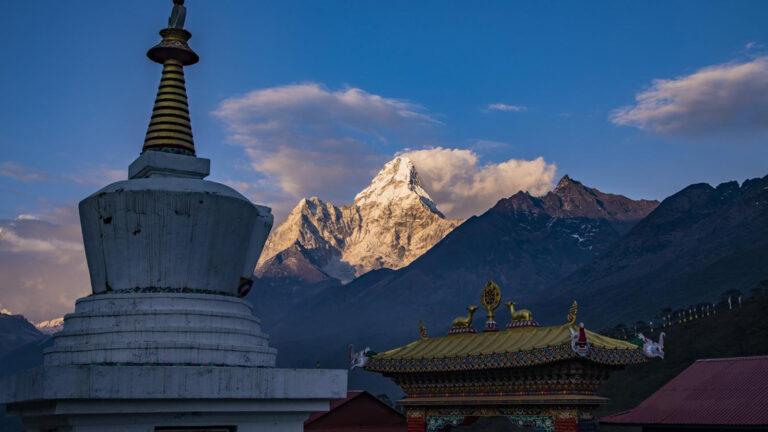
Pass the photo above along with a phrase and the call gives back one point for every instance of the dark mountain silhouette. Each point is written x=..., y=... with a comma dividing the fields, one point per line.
x=572, y=199
x=21, y=347
x=698, y=243
x=16, y=331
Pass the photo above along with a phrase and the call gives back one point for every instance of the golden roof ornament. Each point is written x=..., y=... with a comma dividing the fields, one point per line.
x=574, y=309
x=519, y=318
x=490, y=300
x=462, y=324
x=170, y=129
x=422, y=330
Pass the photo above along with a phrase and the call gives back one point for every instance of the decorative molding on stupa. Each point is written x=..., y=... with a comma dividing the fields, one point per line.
x=154, y=163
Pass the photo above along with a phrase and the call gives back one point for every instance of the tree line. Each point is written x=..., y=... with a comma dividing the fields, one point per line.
x=668, y=316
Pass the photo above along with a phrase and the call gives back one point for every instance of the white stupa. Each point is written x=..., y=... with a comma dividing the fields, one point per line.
x=165, y=342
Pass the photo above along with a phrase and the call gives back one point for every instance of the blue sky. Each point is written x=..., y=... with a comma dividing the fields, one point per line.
x=347, y=85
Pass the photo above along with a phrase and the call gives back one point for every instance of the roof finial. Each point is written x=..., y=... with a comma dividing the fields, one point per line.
x=490, y=298
x=170, y=129
x=572, y=312
x=178, y=15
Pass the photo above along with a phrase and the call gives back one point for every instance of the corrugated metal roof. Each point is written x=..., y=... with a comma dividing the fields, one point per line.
x=507, y=341
x=728, y=391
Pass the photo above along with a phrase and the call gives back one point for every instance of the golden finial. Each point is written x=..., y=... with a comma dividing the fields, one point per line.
x=178, y=15
x=572, y=312
x=490, y=298
x=422, y=330
x=170, y=129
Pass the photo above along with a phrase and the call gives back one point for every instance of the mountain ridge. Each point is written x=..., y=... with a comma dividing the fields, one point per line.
x=570, y=198
x=702, y=240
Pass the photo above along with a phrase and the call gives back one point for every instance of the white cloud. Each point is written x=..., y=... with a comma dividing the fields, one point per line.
x=273, y=109
x=27, y=217
x=726, y=98
x=99, y=176
x=42, y=263
x=305, y=140
x=505, y=107
x=15, y=243
x=22, y=173
x=462, y=187
x=480, y=144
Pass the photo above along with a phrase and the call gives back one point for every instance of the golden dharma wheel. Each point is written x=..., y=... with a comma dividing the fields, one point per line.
x=490, y=297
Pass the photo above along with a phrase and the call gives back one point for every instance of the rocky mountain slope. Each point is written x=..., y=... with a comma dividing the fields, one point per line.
x=390, y=223
x=570, y=199
x=697, y=244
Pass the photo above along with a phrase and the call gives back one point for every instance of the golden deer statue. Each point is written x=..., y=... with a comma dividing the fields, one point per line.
x=521, y=315
x=464, y=323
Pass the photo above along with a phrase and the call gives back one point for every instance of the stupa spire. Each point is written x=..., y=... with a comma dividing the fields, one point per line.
x=170, y=129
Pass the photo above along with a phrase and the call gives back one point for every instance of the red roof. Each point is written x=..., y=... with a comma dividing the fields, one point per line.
x=360, y=411
x=728, y=391
x=335, y=403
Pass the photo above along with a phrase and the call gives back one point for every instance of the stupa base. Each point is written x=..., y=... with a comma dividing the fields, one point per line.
x=161, y=328
x=169, y=398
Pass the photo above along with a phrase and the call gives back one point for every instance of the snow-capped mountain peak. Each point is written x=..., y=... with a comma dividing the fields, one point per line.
x=51, y=326
x=397, y=180
x=390, y=223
